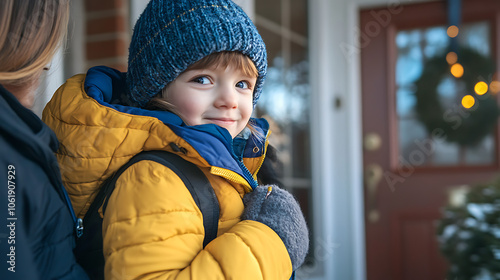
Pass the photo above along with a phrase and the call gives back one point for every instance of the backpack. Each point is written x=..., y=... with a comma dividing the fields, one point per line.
x=89, y=247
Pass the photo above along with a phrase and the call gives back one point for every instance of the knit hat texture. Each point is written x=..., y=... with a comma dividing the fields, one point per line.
x=171, y=35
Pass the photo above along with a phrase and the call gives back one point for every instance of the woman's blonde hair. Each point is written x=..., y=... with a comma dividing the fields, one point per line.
x=30, y=33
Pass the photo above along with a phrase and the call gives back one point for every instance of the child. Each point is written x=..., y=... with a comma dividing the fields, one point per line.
x=196, y=70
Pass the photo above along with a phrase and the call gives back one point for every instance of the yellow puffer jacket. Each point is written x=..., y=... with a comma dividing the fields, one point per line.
x=152, y=227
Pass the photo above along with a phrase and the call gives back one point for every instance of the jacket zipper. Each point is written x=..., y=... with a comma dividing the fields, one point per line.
x=247, y=175
x=78, y=223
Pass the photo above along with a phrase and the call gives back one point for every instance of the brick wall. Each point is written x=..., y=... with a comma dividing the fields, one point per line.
x=107, y=33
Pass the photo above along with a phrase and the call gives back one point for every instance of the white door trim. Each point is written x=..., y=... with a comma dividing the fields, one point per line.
x=336, y=129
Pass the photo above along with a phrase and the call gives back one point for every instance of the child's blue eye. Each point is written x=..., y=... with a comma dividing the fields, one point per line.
x=243, y=84
x=201, y=80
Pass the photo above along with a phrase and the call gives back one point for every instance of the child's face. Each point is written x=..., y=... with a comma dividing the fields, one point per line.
x=220, y=96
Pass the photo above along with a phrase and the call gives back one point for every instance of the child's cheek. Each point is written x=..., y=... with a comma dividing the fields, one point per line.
x=191, y=110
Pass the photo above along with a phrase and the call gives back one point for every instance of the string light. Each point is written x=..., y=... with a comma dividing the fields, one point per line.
x=481, y=88
x=457, y=70
x=468, y=101
x=452, y=31
x=451, y=58
x=495, y=87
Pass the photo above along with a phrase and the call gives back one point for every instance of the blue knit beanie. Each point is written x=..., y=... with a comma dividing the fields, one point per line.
x=171, y=35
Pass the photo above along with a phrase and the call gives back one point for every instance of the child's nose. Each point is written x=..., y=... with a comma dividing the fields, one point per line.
x=227, y=97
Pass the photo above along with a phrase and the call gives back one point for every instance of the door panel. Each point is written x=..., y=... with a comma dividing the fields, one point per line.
x=403, y=204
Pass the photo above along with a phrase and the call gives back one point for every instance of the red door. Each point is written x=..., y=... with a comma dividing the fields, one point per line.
x=411, y=172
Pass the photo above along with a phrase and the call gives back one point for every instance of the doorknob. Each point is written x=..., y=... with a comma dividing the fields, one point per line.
x=373, y=175
x=372, y=141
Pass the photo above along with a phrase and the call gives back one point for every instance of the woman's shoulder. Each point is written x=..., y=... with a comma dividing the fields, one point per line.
x=23, y=133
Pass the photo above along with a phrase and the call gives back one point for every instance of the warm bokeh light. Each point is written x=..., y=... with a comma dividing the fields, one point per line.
x=451, y=58
x=495, y=87
x=468, y=101
x=481, y=88
x=457, y=70
x=452, y=31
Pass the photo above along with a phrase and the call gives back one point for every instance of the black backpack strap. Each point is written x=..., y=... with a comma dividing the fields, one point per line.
x=196, y=182
x=89, y=247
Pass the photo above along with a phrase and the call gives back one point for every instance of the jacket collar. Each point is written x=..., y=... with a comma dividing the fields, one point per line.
x=27, y=127
x=108, y=86
x=29, y=136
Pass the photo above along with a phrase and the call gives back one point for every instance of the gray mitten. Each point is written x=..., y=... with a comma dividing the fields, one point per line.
x=281, y=212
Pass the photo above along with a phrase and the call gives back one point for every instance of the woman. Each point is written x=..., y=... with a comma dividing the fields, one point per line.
x=38, y=224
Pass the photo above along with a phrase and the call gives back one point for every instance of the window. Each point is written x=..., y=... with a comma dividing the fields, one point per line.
x=285, y=98
x=467, y=142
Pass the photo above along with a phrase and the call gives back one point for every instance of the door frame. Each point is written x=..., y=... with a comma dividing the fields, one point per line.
x=336, y=126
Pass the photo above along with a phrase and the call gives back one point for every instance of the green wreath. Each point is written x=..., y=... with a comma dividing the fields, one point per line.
x=479, y=121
